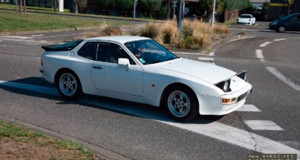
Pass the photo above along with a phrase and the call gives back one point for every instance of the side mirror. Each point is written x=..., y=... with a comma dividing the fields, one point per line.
x=124, y=62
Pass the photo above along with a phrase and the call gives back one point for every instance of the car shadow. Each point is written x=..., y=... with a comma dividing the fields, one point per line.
x=38, y=87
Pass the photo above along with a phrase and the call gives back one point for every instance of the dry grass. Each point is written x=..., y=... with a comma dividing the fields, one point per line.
x=169, y=32
x=150, y=30
x=111, y=31
x=105, y=30
x=220, y=29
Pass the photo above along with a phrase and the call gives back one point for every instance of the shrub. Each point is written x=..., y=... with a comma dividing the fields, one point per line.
x=169, y=32
x=111, y=31
x=220, y=29
x=150, y=30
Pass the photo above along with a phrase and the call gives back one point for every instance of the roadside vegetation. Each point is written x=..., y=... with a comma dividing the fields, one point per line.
x=11, y=22
x=20, y=143
x=196, y=35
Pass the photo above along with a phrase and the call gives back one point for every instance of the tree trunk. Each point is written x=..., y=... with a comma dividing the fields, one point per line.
x=54, y=5
x=24, y=6
x=20, y=8
x=17, y=5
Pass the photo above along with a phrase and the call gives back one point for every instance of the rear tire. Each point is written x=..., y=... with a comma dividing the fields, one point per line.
x=68, y=85
x=181, y=103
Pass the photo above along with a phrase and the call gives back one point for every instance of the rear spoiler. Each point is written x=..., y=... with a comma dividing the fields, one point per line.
x=53, y=48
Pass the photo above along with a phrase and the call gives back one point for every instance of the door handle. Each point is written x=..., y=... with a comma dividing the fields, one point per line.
x=97, y=67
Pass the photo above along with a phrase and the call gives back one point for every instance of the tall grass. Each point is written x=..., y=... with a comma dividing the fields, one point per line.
x=195, y=34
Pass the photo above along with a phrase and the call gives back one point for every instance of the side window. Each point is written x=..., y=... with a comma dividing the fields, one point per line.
x=88, y=50
x=298, y=18
x=109, y=52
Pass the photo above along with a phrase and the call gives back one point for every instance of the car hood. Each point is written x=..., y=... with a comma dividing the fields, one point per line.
x=205, y=71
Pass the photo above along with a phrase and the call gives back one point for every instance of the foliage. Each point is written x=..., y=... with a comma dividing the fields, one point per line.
x=266, y=6
x=150, y=6
x=111, y=31
x=104, y=4
x=123, y=5
x=150, y=30
x=195, y=34
x=236, y=4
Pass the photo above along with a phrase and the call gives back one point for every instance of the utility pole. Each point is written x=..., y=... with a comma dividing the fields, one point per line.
x=213, y=14
x=134, y=8
x=180, y=20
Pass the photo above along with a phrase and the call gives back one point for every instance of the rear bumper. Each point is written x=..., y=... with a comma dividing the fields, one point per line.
x=45, y=76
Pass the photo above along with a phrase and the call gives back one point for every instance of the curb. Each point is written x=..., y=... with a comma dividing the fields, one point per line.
x=98, y=150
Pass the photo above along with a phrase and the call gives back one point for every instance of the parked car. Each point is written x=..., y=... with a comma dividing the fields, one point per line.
x=246, y=19
x=288, y=23
x=138, y=69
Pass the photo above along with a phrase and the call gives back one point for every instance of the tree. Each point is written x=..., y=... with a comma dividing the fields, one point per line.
x=55, y=5
x=151, y=6
x=104, y=4
x=20, y=6
x=124, y=5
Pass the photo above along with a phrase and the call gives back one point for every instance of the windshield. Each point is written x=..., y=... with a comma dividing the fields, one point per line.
x=287, y=17
x=149, y=51
x=245, y=16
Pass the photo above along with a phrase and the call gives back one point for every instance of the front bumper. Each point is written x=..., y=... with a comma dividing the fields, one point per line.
x=273, y=27
x=212, y=105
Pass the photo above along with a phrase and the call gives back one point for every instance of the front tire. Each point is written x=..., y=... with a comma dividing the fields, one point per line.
x=68, y=85
x=181, y=103
x=281, y=29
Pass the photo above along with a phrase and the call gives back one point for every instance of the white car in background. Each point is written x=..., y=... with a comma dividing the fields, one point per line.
x=140, y=70
x=246, y=19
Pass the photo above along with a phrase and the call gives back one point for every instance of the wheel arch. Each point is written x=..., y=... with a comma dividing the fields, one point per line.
x=62, y=70
x=175, y=85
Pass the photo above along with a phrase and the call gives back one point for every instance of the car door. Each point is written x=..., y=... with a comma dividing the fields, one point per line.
x=294, y=23
x=115, y=80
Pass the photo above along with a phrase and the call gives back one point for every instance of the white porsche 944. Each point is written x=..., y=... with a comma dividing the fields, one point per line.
x=138, y=69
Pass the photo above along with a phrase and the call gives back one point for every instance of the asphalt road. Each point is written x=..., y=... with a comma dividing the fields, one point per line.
x=124, y=130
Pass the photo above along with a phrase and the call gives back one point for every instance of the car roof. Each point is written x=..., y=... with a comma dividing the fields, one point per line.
x=119, y=39
x=246, y=14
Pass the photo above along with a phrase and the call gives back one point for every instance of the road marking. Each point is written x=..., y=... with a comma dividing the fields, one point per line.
x=248, y=108
x=263, y=125
x=214, y=130
x=279, y=39
x=259, y=55
x=264, y=44
x=16, y=37
x=37, y=35
x=283, y=78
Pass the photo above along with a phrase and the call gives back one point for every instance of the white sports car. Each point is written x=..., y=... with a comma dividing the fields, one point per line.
x=246, y=19
x=140, y=70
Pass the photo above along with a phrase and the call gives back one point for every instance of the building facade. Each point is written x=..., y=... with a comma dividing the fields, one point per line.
x=282, y=8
